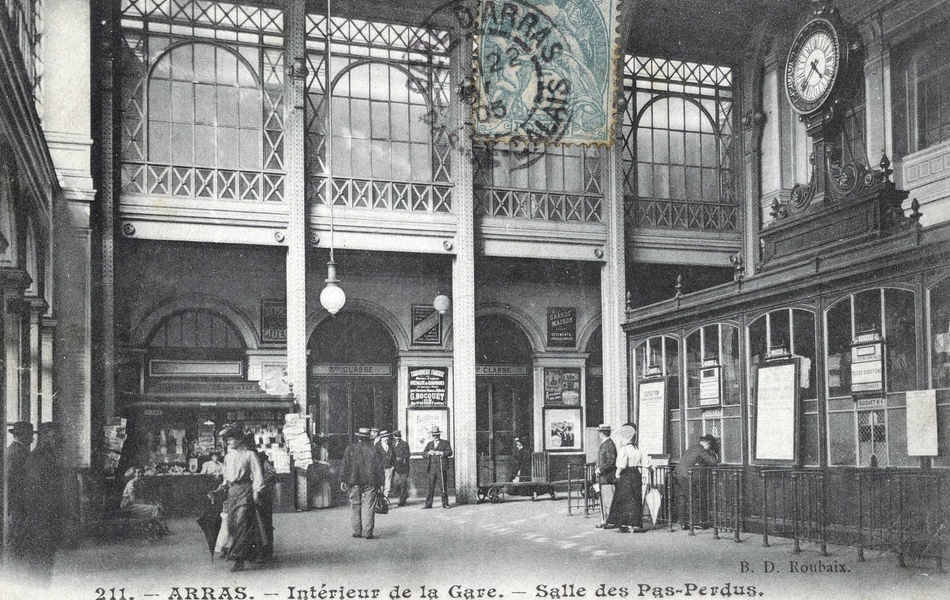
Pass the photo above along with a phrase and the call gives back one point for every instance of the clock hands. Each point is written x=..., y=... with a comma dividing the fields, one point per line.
x=814, y=67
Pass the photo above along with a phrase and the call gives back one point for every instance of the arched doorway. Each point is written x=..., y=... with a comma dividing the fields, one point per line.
x=504, y=394
x=352, y=382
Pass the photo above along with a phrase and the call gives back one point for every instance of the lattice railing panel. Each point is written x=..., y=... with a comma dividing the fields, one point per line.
x=140, y=179
x=386, y=195
x=541, y=206
x=668, y=214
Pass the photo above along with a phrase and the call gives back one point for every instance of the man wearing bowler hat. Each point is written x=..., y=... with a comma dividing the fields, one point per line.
x=436, y=453
x=702, y=454
x=361, y=476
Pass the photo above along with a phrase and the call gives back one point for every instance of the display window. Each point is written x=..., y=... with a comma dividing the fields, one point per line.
x=789, y=333
x=656, y=375
x=870, y=357
x=713, y=392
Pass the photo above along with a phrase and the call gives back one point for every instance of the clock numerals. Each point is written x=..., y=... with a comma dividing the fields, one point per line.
x=812, y=66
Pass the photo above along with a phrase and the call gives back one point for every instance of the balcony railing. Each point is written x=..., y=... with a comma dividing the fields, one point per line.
x=387, y=195
x=545, y=206
x=675, y=214
x=201, y=183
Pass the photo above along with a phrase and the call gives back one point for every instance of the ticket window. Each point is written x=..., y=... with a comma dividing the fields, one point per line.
x=659, y=357
x=712, y=387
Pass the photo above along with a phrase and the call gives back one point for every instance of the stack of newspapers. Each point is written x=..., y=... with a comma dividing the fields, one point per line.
x=298, y=442
x=114, y=435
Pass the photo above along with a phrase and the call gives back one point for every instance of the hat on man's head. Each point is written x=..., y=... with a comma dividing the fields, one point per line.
x=384, y=433
x=397, y=434
x=231, y=431
x=362, y=432
x=708, y=438
x=604, y=427
x=21, y=428
x=435, y=430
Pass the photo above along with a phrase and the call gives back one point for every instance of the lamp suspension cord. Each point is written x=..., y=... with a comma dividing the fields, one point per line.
x=329, y=136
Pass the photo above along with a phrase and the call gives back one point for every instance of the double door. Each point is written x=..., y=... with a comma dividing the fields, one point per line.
x=339, y=407
x=503, y=410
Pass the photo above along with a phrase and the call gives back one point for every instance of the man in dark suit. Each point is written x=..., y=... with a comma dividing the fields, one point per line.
x=436, y=453
x=701, y=454
x=15, y=461
x=361, y=476
x=401, y=455
x=384, y=445
x=606, y=475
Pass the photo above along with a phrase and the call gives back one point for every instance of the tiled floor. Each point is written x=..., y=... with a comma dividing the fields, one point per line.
x=520, y=548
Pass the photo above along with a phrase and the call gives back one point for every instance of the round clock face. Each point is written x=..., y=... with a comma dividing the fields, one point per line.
x=814, y=62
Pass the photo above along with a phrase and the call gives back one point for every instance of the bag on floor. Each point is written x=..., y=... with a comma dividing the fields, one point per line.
x=382, y=505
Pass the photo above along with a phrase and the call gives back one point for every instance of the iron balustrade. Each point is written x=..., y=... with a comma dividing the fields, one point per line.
x=793, y=505
x=726, y=498
x=580, y=488
x=698, y=502
x=903, y=511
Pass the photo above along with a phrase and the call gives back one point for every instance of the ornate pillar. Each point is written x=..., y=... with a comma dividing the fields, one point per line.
x=47, y=394
x=463, y=282
x=296, y=267
x=613, y=288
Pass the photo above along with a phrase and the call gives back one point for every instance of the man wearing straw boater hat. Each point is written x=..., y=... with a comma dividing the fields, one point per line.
x=436, y=452
x=606, y=476
x=361, y=476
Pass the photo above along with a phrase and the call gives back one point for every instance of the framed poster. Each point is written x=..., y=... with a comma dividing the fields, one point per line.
x=273, y=321
x=563, y=429
x=562, y=327
x=428, y=386
x=867, y=366
x=562, y=387
x=922, y=423
x=710, y=385
x=776, y=430
x=426, y=325
x=419, y=423
x=651, y=422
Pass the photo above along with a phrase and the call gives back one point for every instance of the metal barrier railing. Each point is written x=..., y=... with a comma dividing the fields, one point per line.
x=661, y=478
x=904, y=512
x=726, y=498
x=699, y=503
x=580, y=489
x=793, y=505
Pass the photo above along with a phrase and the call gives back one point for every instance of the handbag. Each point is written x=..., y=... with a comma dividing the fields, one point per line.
x=382, y=505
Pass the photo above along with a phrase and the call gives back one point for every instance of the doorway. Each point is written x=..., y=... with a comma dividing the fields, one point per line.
x=504, y=398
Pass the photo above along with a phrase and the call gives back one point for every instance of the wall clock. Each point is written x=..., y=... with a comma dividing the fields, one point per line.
x=814, y=66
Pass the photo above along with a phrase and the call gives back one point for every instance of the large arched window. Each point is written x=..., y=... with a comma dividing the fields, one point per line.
x=201, y=95
x=391, y=143
x=677, y=145
x=204, y=108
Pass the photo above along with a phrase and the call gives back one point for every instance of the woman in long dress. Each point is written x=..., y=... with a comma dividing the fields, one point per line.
x=244, y=480
x=626, y=510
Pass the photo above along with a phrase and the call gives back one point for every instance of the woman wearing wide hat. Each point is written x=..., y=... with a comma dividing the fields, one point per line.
x=244, y=481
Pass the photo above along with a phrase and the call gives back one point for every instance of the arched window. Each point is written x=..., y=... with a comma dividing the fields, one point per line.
x=712, y=386
x=204, y=108
x=195, y=331
x=677, y=145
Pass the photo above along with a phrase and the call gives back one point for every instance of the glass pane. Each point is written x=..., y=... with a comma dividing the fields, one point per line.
x=693, y=364
x=693, y=156
x=678, y=183
x=421, y=162
x=901, y=340
x=694, y=184
x=659, y=110
x=250, y=108
x=677, y=148
x=730, y=365
x=418, y=129
x=379, y=81
x=400, y=162
x=183, y=102
x=573, y=175
x=710, y=157
x=360, y=158
x=676, y=122
x=400, y=122
x=204, y=146
x=804, y=342
x=183, y=149
x=359, y=119
x=645, y=180
x=661, y=150
x=693, y=117
x=711, y=343
x=159, y=140
x=867, y=311
x=204, y=63
x=661, y=181
x=159, y=100
x=341, y=117
x=940, y=334
x=250, y=149
x=780, y=329
x=381, y=160
x=710, y=185
x=226, y=68
x=205, y=104
x=839, y=349
x=228, y=106
x=380, y=114
x=228, y=154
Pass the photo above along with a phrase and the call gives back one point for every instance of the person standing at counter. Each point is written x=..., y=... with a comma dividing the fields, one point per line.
x=244, y=481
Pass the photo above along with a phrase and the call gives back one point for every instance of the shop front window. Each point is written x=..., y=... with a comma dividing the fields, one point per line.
x=940, y=334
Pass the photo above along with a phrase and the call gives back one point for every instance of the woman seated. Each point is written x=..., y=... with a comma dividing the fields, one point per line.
x=132, y=500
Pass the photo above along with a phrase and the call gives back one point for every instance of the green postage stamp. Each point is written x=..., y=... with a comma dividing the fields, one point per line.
x=546, y=71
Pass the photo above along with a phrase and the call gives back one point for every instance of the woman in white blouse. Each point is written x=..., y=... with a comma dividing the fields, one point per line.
x=626, y=510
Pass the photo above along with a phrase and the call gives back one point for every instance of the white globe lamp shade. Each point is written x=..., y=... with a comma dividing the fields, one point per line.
x=332, y=298
x=442, y=303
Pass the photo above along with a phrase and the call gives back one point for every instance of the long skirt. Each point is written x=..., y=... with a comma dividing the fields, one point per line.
x=244, y=524
x=627, y=505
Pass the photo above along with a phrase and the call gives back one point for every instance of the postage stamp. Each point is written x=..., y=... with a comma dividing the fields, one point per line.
x=545, y=71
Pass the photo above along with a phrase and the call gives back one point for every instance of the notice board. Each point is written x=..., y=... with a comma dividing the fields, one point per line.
x=776, y=411
x=922, y=423
x=652, y=422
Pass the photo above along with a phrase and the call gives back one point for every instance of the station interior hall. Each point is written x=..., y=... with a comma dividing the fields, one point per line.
x=303, y=218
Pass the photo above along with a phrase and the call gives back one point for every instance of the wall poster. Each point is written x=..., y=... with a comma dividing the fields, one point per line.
x=922, y=423
x=776, y=411
x=426, y=325
x=710, y=386
x=563, y=429
x=428, y=386
x=562, y=327
x=867, y=367
x=419, y=423
x=562, y=387
x=651, y=423
x=274, y=321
